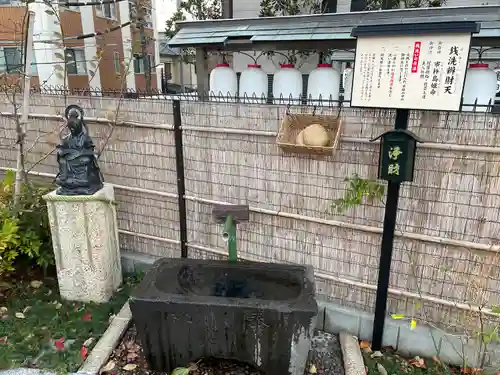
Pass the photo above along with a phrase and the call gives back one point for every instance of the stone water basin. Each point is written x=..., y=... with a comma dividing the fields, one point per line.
x=262, y=314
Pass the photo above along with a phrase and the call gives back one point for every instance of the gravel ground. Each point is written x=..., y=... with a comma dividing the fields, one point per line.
x=127, y=359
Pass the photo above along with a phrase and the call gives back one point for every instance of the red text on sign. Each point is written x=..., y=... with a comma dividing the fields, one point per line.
x=416, y=57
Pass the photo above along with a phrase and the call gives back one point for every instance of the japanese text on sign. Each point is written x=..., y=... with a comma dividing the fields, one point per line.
x=410, y=72
x=394, y=153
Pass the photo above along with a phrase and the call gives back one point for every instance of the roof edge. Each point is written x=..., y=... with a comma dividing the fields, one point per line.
x=471, y=11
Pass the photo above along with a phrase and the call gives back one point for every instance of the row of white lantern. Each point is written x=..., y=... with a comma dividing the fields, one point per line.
x=324, y=85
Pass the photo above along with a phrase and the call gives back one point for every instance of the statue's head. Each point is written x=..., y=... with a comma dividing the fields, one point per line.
x=74, y=116
x=74, y=123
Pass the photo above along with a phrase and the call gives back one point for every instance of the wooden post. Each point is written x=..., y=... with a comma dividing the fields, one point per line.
x=227, y=8
x=202, y=73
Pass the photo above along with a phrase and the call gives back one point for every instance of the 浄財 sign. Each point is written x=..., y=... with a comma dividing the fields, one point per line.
x=424, y=71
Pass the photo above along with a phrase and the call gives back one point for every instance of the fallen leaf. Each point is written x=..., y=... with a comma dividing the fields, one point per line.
x=377, y=354
x=88, y=342
x=5, y=285
x=181, y=371
x=130, y=367
x=132, y=356
x=36, y=284
x=84, y=352
x=381, y=369
x=397, y=316
x=364, y=345
x=312, y=369
x=417, y=362
x=60, y=344
x=108, y=367
x=130, y=345
x=86, y=317
x=19, y=315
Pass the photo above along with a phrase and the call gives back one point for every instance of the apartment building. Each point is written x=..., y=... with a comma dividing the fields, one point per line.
x=90, y=62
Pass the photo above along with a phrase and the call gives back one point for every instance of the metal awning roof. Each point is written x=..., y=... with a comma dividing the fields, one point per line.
x=331, y=30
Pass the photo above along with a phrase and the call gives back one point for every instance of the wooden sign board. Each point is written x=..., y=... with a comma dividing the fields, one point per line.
x=425, y=72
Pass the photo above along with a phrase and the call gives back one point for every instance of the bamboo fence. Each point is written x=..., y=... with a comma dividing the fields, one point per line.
x=445, y=262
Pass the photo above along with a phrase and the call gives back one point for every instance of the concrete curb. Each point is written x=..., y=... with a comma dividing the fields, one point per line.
x=99, y=355
x=351, y=355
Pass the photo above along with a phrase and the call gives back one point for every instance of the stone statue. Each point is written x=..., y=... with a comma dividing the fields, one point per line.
x=79, y=173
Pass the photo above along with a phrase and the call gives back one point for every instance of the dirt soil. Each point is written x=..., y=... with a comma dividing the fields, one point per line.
x=128, y=359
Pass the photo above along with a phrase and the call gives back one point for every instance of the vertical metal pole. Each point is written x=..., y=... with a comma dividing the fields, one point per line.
x=384, y=271
x=229, y=235
x=181, y=186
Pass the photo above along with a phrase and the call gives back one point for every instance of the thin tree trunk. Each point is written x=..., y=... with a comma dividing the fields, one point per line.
x=22, y=124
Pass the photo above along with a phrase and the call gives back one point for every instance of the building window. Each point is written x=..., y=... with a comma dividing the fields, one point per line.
x=329, y=6
x=139, y=64
x=116, y=61
x=148, y=18
x=74, y=8
x=13, y=59
x=75, y=61
x=167, y=68
x=106, y=10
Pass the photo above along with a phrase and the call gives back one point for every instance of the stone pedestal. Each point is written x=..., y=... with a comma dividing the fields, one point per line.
x=85, y=241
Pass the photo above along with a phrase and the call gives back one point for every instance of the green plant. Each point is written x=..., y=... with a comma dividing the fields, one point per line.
x=358, y=189
x=25, y=233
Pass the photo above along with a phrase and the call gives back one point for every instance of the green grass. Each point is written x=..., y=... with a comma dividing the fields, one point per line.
x=38, y=329
x=394, y=364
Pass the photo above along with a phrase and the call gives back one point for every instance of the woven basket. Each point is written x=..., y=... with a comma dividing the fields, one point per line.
x=293, y=124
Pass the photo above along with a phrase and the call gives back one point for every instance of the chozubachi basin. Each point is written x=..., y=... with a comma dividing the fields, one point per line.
x=262, y=314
